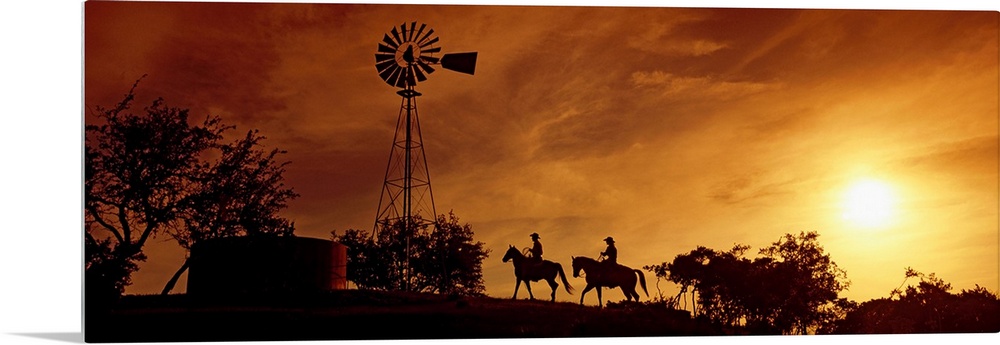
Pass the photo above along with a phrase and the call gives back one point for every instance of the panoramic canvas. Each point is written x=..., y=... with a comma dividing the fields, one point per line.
x=297, y=171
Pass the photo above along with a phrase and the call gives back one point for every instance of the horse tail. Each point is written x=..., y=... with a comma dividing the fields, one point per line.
x=562, y=275
x=642, y=281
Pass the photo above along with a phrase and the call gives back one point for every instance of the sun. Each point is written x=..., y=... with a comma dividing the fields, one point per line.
x=869, y=204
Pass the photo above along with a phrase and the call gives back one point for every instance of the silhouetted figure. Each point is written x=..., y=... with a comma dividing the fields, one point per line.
x=611, y=254
x=530, y=272
x=611, y=276
x=536, y=248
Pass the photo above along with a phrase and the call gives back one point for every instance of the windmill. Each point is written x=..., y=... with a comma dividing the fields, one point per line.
x=406, y=56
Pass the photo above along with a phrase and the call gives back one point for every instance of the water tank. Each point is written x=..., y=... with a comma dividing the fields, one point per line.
x=240, y=265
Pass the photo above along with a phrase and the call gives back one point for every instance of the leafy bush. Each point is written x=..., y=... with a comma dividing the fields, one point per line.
x=442, y=259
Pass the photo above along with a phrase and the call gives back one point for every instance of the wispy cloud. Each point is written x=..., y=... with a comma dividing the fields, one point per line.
x=968, y=157
x=699, y=87
x=661, y=37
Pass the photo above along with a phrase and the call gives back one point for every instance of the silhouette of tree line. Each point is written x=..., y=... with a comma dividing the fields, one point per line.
x=789, y=289
x=793, y=288
x=928, y=307
x=443, y=257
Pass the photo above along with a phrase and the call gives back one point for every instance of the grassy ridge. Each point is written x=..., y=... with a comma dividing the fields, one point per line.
x=371, y=315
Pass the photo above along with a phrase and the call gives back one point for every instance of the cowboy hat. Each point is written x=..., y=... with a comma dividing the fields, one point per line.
x=609, y=239
x=534, y=234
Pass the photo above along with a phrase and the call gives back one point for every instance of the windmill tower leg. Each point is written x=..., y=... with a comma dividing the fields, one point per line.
x=407, y=201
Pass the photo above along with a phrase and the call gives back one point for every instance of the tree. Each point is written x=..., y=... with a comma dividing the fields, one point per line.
x=443, y=258
x=106, y=273
x=685, y=270
x=453, y=262
x=146, y=174
x=792, y=288
x=711, y=276
x=378, y=263
x=137, y=174
x=813, y=280
x=238, y=195
x=928, y=307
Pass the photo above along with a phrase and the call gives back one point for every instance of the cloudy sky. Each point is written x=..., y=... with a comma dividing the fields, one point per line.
x=666, y=128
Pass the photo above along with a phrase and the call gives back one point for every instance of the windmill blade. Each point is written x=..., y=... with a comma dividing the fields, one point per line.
x=388, y=41
x=460, y=62
x=422, y=39
x=388, y=72
x=395, y=34
x=413, y=26
x=420, y=75
x=403, y=27
x=419, y=31
x=393, y=78
x=379, y=57
x=432, y=50
x=381, y=66
x=430, y=59
x=429, y=42
x=401, y=82
x=427, y=68
x=386, y=49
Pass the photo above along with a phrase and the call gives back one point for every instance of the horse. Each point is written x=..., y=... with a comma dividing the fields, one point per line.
x=600, y=274
x=527, y=271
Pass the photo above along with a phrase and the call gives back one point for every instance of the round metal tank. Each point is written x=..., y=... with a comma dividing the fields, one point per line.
x=239, y=265
x=338, y=266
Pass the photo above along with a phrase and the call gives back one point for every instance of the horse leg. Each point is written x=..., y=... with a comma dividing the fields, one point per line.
x=527, y=285
x=516, y=286
x=600, y=303
x=584, y=293
x=554, y=286
x=629, y=293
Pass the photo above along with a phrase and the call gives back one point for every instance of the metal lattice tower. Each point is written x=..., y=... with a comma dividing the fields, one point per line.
x=406, y=191
x=404, y=57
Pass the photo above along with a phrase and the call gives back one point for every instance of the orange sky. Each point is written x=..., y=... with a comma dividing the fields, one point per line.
x=665, y=128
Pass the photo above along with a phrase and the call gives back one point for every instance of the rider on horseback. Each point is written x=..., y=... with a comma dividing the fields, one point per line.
x=536, y=249
x=610, y=254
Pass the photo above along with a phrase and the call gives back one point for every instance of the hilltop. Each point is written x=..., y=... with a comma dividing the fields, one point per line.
x=375, y=315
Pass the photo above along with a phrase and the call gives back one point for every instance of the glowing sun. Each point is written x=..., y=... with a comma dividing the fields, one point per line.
x=869, y=204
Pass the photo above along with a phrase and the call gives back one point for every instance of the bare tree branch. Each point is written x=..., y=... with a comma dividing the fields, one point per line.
x=97, y=218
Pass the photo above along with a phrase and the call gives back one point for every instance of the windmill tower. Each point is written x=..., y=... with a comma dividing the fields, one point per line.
x=404, y=57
